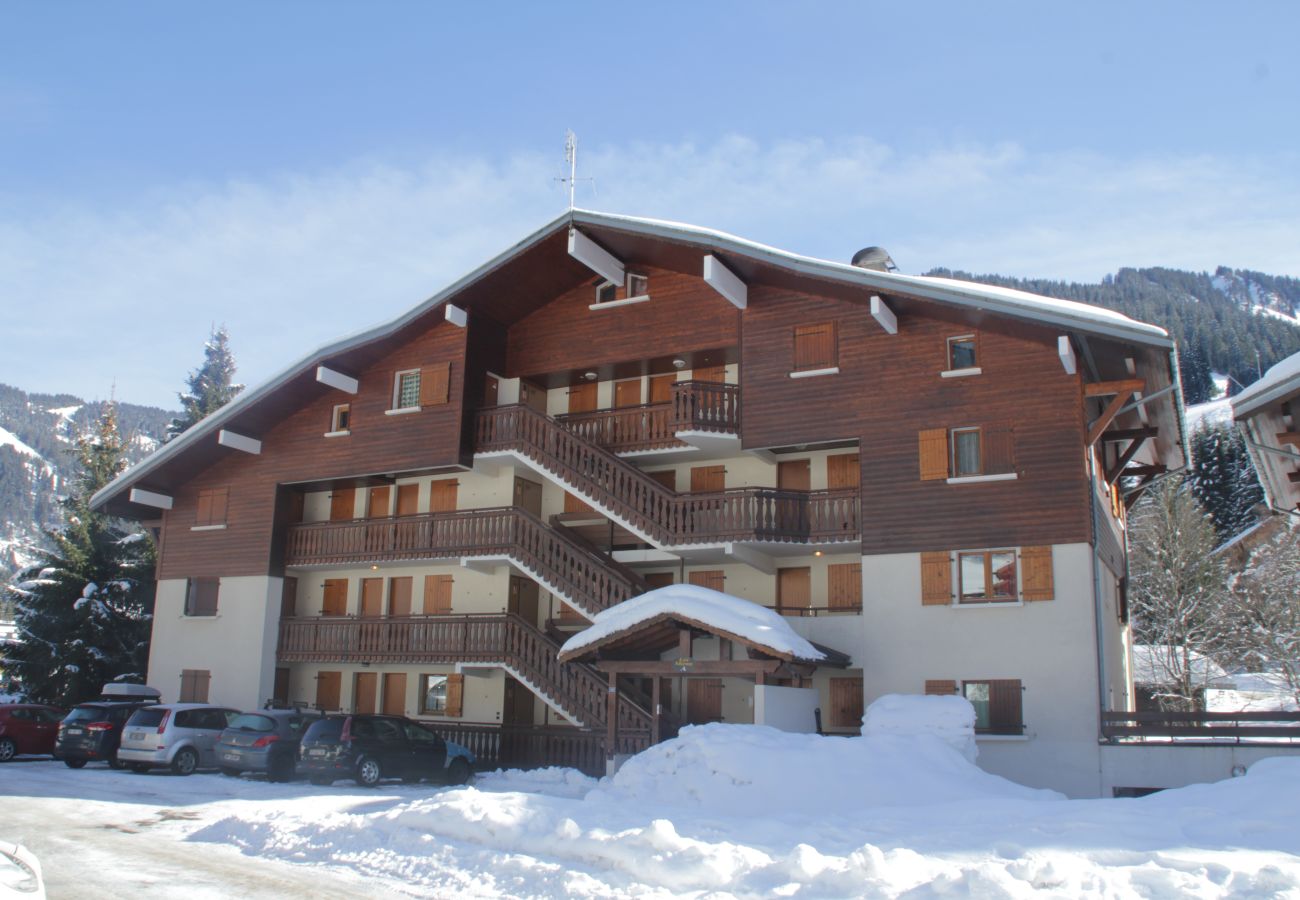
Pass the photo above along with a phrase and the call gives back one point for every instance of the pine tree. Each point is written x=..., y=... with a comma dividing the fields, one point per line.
x=1194, y=371
x=1177, y=589
x=210, y=384
x=84, y=612
x=1223, y=479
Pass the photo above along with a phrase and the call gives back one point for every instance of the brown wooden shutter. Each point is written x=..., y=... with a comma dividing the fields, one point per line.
x=194, y=685
x=936, y=686
x=203, y=511
x=372, y=597
x=814, y=346
x=335, y=602
x=399, y=595
x=843, y=470
x=394, y=693
x=435, y=384
x=1036, y=573
x=713, y=579
x=846, y=702
x=933, y=444
x=408, y=499
x=455, y=695
x=437, y=595
x=289, y=597
x=936, y=579
x=844, y=588
x=708, y=479
x=1005, y=715
x=327, y=690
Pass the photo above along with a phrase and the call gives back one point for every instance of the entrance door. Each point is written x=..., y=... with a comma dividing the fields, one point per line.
x=717, y=374
x=335, y=602
x=523, y=599
x=708, y=478
x=399, y=595
x=289, y=598
x=394, y=693
x=793, y=590
x=408, y=499
x=582, y=397
x=442, y=495
x=280, y=693
x=703, y=700
x=843, y=470
x=627, y=393
x=372, y=598
x=327, y=690
x=343, y=503
x=528, y=495
x=377, y=508
x=661, y=388
x=794, y=475
x=517, y=707
x=364, y=690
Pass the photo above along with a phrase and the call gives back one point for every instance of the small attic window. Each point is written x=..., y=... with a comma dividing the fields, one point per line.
x=637, y=285
x=606, y=292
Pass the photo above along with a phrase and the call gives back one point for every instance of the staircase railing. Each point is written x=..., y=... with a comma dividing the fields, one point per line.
x=580, y=576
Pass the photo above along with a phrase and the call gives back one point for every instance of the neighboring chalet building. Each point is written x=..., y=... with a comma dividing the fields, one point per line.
x=1268, y=415
x=919, y=475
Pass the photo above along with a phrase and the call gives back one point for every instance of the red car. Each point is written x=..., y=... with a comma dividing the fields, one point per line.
x=28, y=728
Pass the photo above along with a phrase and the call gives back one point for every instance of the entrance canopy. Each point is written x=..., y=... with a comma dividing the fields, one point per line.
x=652, y=624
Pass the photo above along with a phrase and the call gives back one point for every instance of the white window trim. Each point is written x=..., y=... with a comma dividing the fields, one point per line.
x=814, y=373
x=334, y=419
x=957, y=600
x=961, y=373
x=221, y=527
x=617, y=303
x=403, y=411
x=397, y=393
x=962, y=337
x=337, y=434
x=976, y=479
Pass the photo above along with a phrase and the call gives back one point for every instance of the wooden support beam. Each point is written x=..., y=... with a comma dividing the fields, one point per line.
x=725, y=282
x=1113, y=473
x=1065, y=350
x=684, y=643
x=884, y=315
x=337, y=380
x=737, y=667
x=150, y=498
x=611, y=728
x=1288, y=437
x=1145, y=471
x=239, y=442
x=656, y=710
x=455, y=315
x=1107, y=416
x=1106, y=388
x=1130, y=434
x=595, y=257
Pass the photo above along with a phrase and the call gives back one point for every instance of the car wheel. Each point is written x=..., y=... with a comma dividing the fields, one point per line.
x=75, y=763
x=321, y=780
x=185, y=761
x=368, y=773
x=459, y=771
x=8, y=749
x=138, y=768
x=280, y=768
x=226, y=770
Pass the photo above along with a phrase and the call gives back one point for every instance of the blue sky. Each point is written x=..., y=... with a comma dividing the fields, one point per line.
x=301, y=170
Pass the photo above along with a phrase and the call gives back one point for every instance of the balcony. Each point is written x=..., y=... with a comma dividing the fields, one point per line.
x=697, y=408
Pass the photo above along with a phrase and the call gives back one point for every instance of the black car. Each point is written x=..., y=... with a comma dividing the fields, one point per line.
x=367, y=748
x=265, y=740
x=93, y=731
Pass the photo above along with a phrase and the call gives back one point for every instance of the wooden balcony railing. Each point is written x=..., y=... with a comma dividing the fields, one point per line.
x=502, y=639
x=694, y=406
x=1202, y=727
x=650, y=508
x=531, y=746
x=582, y=577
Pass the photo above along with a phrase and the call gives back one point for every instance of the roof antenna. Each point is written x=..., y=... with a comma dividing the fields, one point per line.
x=571, y=157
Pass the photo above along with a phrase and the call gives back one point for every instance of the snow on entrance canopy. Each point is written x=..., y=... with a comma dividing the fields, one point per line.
x=712, y=610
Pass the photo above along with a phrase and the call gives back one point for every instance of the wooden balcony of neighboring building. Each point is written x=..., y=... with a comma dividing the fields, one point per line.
x=696, y=408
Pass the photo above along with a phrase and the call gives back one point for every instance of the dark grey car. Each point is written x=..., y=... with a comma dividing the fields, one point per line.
x=265, y=740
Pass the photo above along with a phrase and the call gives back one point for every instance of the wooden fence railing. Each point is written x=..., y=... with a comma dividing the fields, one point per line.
x=1202, y=727
x=529, y=746
x=582, y=577
x=504, y=639
x=667, y=517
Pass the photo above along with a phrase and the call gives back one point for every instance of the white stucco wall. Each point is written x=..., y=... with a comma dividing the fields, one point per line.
x=786, y=708
x=1178, y=765
x=237, y=645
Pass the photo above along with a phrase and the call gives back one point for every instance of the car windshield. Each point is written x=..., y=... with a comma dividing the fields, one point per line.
x=85, y=714
x=148, y=717
x=253, y=722
x=324, y=730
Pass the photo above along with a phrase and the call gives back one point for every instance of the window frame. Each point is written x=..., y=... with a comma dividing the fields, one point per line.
x=603, y=288
x=425, y=686
x=954, y=456
x=951, y=363
x=989, y=581
x=632, y=278
x=192, y=609
x=341, y=419
x=996, y=727
x=818, y=365
x=398, y=377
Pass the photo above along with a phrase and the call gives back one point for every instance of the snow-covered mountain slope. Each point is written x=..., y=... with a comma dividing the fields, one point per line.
x=1259, y=293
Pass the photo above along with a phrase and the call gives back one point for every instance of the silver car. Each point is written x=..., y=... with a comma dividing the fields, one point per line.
x=182, y=736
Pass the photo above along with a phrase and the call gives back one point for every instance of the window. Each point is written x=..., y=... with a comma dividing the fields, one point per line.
x=637, y=285
x=967, y=459
x=194, y=686
x=997, y=705
x=441, y=695
x=961, y=352
x=211, y=509
x=606, y=292
x=201, y=596
x=815, y=347
x=341, y=419
x=406, y=389
x=987, y=577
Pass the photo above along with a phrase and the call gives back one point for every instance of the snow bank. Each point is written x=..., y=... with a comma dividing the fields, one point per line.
x=734, y=615
x=949, y=718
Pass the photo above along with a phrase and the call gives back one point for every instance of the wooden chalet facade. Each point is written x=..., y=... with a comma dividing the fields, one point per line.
x=920, y=474
x=1268, y=416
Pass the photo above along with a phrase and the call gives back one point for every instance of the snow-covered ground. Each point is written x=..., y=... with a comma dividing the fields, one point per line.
x=721, y=811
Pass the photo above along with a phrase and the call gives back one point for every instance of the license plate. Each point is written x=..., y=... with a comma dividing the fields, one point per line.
x=137, y=736
x=230, y=756
x=316, y=752
x=74, y=731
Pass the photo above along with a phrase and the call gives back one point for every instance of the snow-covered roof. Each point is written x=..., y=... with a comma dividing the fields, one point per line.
x=711, y=610
x=1066, y=314
x=1153, y=664
x=1280, y=380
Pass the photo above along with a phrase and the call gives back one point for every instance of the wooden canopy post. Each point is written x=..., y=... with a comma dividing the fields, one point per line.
x=656, y=710
x=611, y=729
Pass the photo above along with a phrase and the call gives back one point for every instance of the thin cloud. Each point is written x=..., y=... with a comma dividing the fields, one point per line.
x=88, y=296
